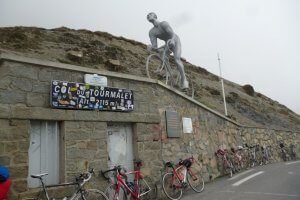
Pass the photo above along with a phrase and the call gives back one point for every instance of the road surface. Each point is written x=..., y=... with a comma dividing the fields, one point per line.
x=278, y=181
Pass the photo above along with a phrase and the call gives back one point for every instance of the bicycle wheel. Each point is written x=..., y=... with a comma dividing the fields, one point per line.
x=172, y=186
x=94, y=194
x=148, y=189
x=156, y=68
x=111, y=193
x=195, y=179
x=228, y=168
x=229, y=171
x=284, y=156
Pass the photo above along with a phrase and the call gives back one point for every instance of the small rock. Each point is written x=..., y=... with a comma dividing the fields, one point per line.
x=114, y=62
x=114, y=65
x=75, y=56
x=249, y=89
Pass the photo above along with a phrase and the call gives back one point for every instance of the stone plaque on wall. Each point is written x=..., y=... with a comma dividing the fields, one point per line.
x=173, y=124
x=89, y=97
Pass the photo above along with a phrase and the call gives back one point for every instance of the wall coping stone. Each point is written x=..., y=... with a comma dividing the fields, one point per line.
x=272, y=129
x=12, y=56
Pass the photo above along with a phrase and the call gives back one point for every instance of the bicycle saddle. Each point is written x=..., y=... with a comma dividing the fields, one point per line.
x=221, y=152
x=38, y=175
x=138, y=163
x=169, y=164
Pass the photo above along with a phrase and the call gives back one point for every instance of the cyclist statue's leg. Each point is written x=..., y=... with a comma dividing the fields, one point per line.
x=165, y=59
x=184, y=84
x=162, y=56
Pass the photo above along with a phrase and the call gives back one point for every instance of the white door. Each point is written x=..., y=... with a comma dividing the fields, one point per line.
x=120, y=145
x=44, y=152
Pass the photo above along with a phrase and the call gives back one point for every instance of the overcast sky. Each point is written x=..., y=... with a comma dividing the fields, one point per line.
x=258, y=40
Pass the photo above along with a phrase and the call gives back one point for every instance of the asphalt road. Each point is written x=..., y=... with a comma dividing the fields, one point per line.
x=278, y=181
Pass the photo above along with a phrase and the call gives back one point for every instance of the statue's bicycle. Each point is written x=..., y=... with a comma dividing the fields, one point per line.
x=159, y=68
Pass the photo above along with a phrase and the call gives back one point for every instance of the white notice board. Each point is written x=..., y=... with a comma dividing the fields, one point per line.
x=95, y=79
x=187, y=125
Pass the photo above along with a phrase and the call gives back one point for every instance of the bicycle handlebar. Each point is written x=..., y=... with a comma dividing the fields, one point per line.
x=117, y=169
x=165, y=47
x=103, y=173
x=181, y=162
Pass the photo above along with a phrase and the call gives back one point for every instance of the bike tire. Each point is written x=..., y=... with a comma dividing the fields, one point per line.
x=229, y=171
x=229, y=168
x=195, y=179
x=94, y=194
x=110, y=192
x=172, y=187
x=284, y=158
x=148, y=185
x=153, y=65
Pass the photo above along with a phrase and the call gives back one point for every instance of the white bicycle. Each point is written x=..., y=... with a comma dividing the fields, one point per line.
x=80, y=193
x=158, y=67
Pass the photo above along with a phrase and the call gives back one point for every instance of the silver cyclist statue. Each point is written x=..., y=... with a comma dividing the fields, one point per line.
x=162, y=30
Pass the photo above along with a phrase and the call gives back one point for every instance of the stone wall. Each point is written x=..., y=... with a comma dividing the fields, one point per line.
x=270, y=137
x=14, y=143
x=24, y=96
x=85, y=147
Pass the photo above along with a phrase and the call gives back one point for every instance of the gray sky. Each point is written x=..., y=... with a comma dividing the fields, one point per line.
x=258, y=40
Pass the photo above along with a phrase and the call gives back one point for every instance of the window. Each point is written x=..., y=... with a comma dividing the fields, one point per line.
x=44, y=152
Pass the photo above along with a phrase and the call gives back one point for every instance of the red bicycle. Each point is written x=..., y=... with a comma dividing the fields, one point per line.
x=186, y=172
x=237, y=159
x=227, y=164
x=141, y=188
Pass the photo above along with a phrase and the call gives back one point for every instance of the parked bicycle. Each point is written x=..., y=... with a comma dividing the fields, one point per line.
x=283, y=152
x=227, y=164
x=269, y=153
x=186, y=172
x=293, y=151
x=259, y=152
x=265, y=155
x=79, y=193
x=252, y=156
x=141, y=188
x=237, y=159
x=244, y=152
x=160, y=69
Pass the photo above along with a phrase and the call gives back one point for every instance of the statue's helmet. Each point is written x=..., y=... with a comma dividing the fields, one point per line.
x=151, y=16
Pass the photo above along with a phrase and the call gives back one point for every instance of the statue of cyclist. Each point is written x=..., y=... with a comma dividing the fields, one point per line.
x=163, y=31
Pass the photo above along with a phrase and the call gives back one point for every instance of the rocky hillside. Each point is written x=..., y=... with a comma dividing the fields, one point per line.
x=104, y=51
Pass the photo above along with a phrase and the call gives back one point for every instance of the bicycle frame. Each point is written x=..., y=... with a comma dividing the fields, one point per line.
x=226, y=162
x=284, y=154
x=182, y=177
x=135, y=194
x=78, y=191
x=177, y=174
x=45, y=191
x=164, y=57
x=252, y=155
